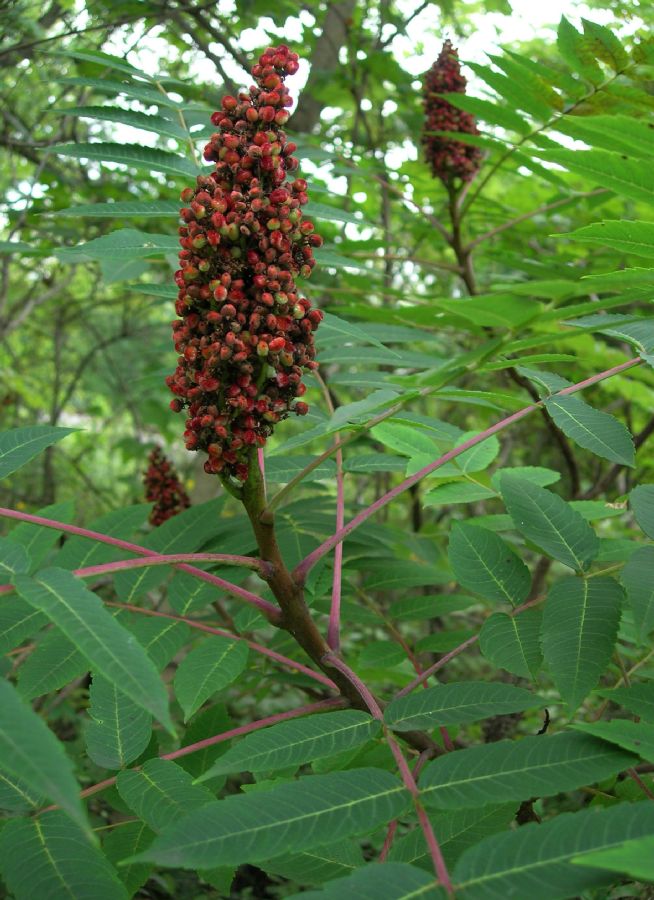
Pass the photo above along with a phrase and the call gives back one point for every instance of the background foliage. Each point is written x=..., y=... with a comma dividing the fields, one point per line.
x=519, y=572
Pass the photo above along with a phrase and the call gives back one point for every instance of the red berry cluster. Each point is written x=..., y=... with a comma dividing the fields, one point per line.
x=245, y=333
x=448, y=159
x=163, y=488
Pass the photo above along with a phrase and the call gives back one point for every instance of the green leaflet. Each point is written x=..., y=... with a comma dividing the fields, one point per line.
x=535, y=766
x=122, y=245
x=580, y=626
x=484, y=564
x=455, y=703
x=316, y=810
x=51, y=857
x=637, y=578
x=20, y=445
x=318, y=865
x=627, y=177
x=161, y=793
x=55, y=662
x=637, y=737
x=157, y=124
x=135, y=155
x=109, y=648
x=385, y=881
x=207, y=669
x=119, y=730
x=535, y=861
x=128, y=840
x=13, y=558
x=548, y=521
x=637, y=698
x=642, y=503
x=513, y=642
x=39, y=540
x=124, y=209
x=633, y=858
x=30, y=752
x=593, y=429
x=625, y=236
x=293, y=743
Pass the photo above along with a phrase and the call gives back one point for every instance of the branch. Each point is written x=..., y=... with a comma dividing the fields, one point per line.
x=304, y=567
x=267, y=609
x=332, y=703
x=407, y=776
x=535, y=212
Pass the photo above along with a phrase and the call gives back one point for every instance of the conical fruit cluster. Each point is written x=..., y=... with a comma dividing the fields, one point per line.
x=163, y=488
x=449, y=159
x=245, y=334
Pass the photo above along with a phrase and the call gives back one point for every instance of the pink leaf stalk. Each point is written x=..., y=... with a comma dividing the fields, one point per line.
x=320, y=706
x=253, y=645
x=304, y=567
x=440, y=868
x=269, y=610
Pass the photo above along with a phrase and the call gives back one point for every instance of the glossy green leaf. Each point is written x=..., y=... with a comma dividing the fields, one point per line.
x=13, y=558
x=207, y=669
x=632, y=858
x=316, y=810
x=296, y=742
x=592, y=429
x=280, y=469
x=119, y=730
x=637, y=737
x=381, y=881
x=535, y=766
x=128, y=839
x=161, y=793
x=627, y=177
x=580, y=627
x=79, y=552
x=484, y=564
x=20, y=445
x=456, y=831
x=548, y=521
x=493, y=113
x=637, y=578
x=621, y=235
x=147, y=158
x=318, y=865
x=157, y=124
x=536, y=474
x=183, y=533
x=120, y=245
x=457, y=492
x=637, y=698
x=535, y=861
x=49, y=857
x=109, y=648
x=31, y=752
x=39, y=540
x=124, y=209
x=456, y=703
x=641, y=500
x=513, y=642
x=405, y=439
x=315, y=210
x=334, y=326
x=578, y=52
x=54, y=662
x=18, y=620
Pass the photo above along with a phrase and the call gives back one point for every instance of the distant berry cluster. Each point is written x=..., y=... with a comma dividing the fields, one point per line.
x=449, y=159
x=245, y=333
x=163, y=488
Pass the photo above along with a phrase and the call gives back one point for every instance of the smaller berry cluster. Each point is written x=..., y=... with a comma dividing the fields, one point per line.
x=244, y=334
x=163, y=488
x=449, y=159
